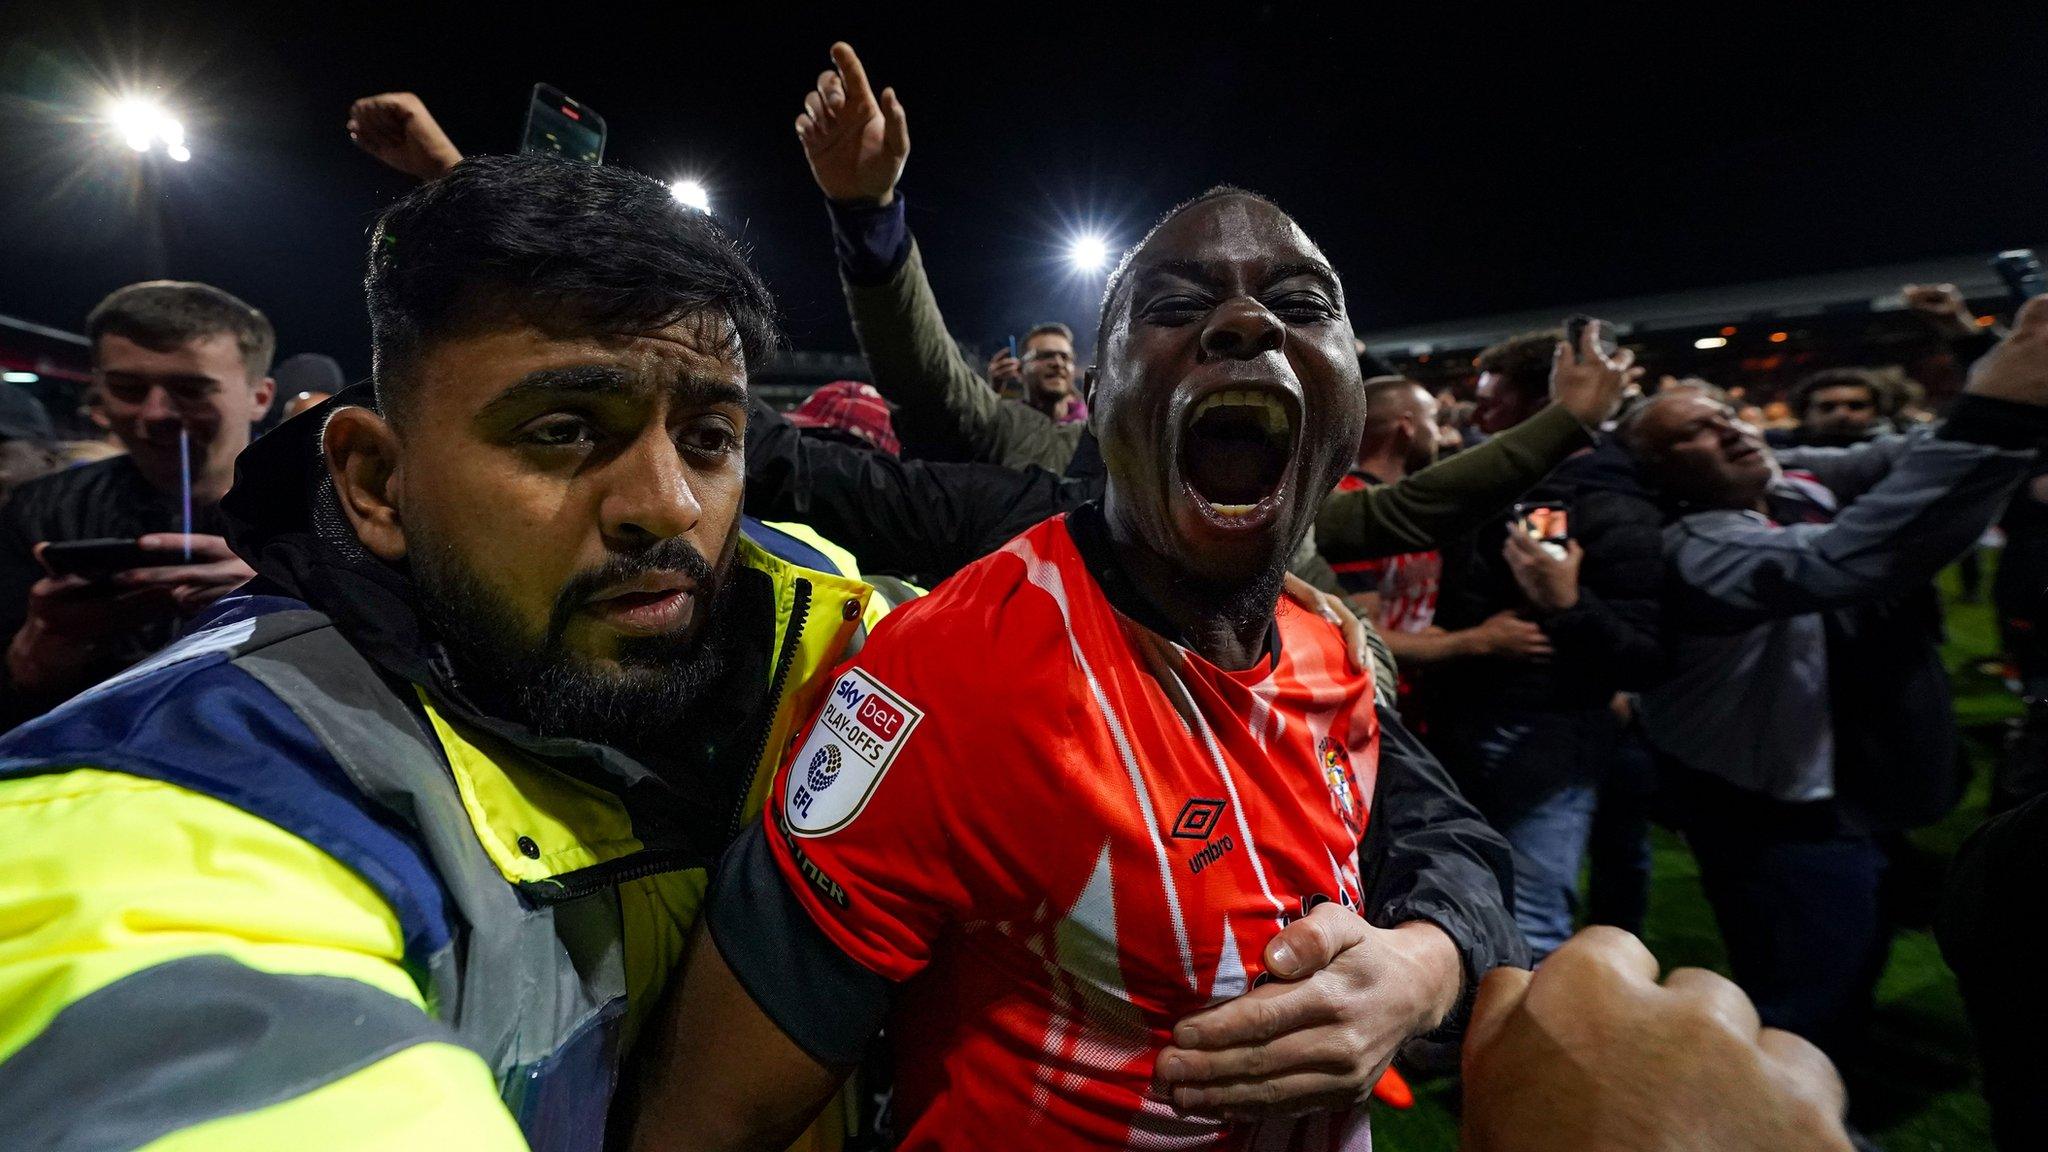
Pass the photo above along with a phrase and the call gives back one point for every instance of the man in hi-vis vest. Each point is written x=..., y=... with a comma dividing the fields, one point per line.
x=399, y=845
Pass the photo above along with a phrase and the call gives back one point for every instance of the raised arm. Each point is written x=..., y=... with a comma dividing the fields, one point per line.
x=857, y=143
x=1733, y=570
x=1451, y=498
x=901, y=517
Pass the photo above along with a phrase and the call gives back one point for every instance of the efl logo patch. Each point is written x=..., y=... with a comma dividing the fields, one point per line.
x=1197, y=819
x=857, y=736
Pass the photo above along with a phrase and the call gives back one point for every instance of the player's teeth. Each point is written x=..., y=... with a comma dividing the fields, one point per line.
x=1234, y=509
x=1272, y=414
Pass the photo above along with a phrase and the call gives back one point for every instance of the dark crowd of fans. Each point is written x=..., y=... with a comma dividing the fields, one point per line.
x=375, y=749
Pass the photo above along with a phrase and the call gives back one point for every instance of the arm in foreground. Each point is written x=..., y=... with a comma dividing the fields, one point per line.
x=902, y=517
x=719, y=1074
x=1591, y=1053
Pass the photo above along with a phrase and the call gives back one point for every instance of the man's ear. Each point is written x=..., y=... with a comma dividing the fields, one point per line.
x=264, y=392
x=362, y=458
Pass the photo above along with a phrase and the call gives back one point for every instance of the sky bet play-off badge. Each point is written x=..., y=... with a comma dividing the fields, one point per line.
x=863, y=727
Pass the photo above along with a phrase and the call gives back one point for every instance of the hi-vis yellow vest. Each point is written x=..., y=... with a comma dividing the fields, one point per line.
x=257, y=897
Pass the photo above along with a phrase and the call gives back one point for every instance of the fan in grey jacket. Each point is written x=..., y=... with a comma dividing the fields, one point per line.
x=1800, y=714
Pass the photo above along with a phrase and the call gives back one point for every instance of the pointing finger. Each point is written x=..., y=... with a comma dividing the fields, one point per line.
x=856, y=77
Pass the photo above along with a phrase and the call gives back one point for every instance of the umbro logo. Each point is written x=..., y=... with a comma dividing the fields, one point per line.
x=1198, y=819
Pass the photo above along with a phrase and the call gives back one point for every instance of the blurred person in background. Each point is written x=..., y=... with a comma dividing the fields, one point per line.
x=27, y=439
x=1804, y=716
x=304, y=381
x=1398, y=593
x=1046, y=376
x=1512, y=380
x=1530, y=729
x=851, y=409
x=1837, y=407
x=183, y=370
x=1515, y=382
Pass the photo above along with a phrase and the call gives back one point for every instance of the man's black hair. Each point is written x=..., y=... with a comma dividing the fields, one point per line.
x=1117, y=279
x=1523, y=360
x=1801, y=396
x=564, y=246
x=162, y=314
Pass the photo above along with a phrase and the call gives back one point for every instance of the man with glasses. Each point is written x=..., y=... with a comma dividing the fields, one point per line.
x=1043, y=376
x=183, y=371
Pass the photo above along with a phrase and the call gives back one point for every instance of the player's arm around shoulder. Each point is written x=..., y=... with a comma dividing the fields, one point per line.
x=177, y=972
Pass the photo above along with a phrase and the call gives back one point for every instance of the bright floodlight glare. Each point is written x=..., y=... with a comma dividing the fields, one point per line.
x=19, y=377
x=1706, y=342
x=1089, y=253
x=135, y=119
x=691, y=194
x=141, y=123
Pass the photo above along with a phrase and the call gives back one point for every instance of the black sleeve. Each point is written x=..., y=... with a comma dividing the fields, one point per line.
x=1613, y=631
x=18, y=568
x=1429, y=855
x=920, y=519
x=19, y=572
x=820, y=997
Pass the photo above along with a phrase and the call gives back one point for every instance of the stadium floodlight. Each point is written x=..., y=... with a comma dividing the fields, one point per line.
x=143, y=123
x=1706, y=342
x=691, y=194
x=1088, y=253
x=19, y=377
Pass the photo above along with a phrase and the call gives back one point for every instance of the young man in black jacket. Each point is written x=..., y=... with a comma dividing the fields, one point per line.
x=1531, y=740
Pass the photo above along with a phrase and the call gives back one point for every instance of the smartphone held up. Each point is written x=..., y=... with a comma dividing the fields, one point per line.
x=557, y=124
x=1546, y=522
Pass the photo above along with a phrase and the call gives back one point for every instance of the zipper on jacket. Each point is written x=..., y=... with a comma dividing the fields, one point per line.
x=638, y=866
x=799, y=611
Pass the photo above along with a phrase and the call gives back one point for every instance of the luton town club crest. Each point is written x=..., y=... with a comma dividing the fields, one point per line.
x=1337, y=775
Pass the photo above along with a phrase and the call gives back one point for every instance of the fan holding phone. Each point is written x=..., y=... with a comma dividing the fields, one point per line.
x=103, y=564
x=1543, y=557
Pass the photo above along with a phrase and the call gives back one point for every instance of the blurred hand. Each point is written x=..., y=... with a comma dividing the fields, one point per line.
x=1336, y=611
x=1943, y=305
x=1345, y=997
x=1004, y=369
x=855, y=143
x=2017, y=367
x=1587, y=383
x=1507, y=635
x=397, y=129
x=213, y=571
x=1591, y=1052
x=69, y=620
x=1552, y=585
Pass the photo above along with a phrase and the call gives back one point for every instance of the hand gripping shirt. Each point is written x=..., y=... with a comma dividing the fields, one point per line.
x=1058, y=833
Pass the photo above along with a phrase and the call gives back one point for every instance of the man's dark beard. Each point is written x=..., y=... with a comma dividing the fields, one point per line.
x=639, y=708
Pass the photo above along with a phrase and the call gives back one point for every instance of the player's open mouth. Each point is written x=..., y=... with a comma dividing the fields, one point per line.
x=1236, y=446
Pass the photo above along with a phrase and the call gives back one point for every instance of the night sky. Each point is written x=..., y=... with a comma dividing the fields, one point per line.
x=1451, y=164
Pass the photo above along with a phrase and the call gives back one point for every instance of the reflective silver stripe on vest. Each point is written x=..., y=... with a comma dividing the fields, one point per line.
x=192, y=1040
x=521, y=984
